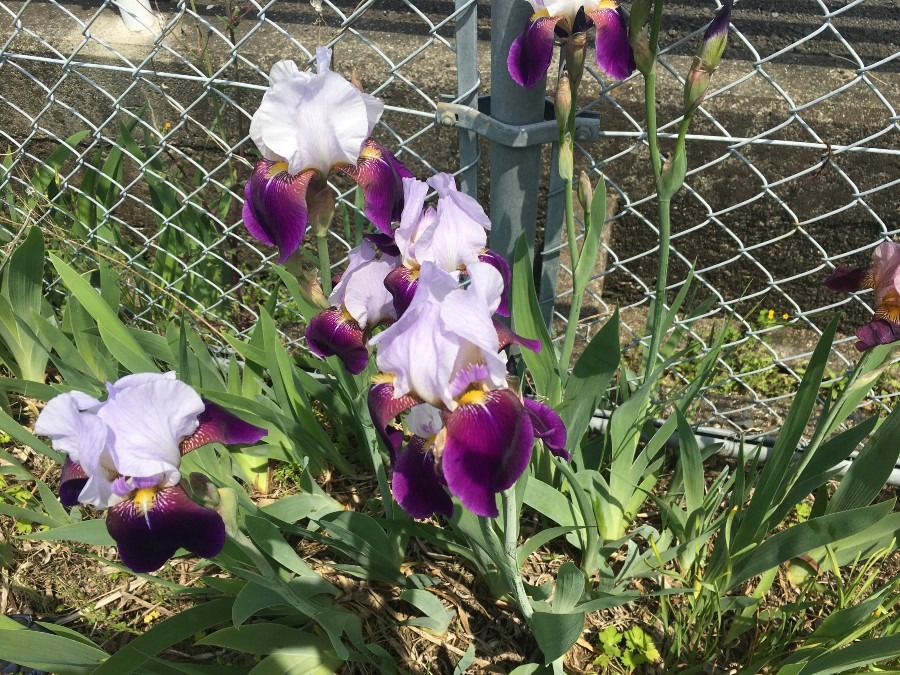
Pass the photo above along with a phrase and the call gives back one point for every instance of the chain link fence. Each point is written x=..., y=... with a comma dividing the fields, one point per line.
x=794, y=160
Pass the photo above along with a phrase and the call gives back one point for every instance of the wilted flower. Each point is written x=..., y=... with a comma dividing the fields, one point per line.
x=883, y=276
x=360, y=302
x=531, y=52
x=123, y=454
x=476, y=436
x=306, y=127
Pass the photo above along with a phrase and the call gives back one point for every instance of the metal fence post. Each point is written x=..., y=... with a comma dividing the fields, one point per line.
x=514, y=171
x=467, y=83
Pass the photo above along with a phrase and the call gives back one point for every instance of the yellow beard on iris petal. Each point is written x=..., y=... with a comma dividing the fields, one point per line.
x=369, y=153
x=473, y=397
x=144, y=500
x=383, y=378
x=889, y=310
x=275, y=169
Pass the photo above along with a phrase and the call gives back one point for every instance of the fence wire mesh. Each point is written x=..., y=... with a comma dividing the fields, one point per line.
x=794, y=159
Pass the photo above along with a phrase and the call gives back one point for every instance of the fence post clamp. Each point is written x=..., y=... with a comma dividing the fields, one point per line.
x=587, y=124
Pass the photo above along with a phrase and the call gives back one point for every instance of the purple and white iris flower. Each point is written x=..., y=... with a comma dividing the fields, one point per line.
x=306, y=127
x=360, y=302
x=531, y=52
x=452, y=237
x=883, y=275
x=124, y=453
x=474, y=437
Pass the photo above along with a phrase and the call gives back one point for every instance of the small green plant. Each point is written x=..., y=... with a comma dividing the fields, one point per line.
x=625, y=651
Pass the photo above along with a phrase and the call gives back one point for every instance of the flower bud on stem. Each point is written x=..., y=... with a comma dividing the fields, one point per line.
x=566, y=158
x=563, y=103
x=696, y=84
x=307, y=282
x=585, y=192
x=576, y=48
x=639, y=35
x=707, y=59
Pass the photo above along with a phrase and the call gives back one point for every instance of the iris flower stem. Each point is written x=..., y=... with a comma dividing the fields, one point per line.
x=510, y=543
x=655, y=320
x=567, y=136
x=324, y=262
x=659, y=294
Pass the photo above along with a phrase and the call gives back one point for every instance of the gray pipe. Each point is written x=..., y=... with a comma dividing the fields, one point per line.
x=707, y=436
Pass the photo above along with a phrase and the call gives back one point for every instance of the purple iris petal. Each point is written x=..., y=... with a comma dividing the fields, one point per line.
x=499, y=263
x=384, y=243
x=488, y=446
x=416, y=485
x=383, y=408
x=847, y=280
x=614, y=55
x=336, y=333
x=719, y=26
x=275, y=210
x=71, y=482
x=716, y=36
x=507, y=338
x=217, y=425
x=548, y=427
x=401, y=283
x=380, y=175
x=531, y=52
x=151, y=528
x=877, y=332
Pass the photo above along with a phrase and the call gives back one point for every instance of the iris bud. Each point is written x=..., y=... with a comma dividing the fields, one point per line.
x=696, y=85
x=640, y=10
x=707, y=59
x=563, y=103
x=576, y=48
x=566, y=158
x=585, y=191
x=640, y=47
x=715, y=37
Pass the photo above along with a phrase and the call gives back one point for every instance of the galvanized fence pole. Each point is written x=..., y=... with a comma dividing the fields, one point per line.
x=467, y=83
x=515, y=172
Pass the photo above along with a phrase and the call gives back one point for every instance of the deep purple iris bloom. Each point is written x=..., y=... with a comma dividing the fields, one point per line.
x=883, y=275
x=123, y=454
x=360, y=302
x=531, y=52
x=473, y=437
x=306, y=127
x=451, y=236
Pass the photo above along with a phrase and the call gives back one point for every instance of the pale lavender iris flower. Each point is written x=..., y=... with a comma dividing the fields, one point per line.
x=306, y=127
x=452, y=236
x=124, y=454
x=531, y=52
x=443, y=352
x=360, y=302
